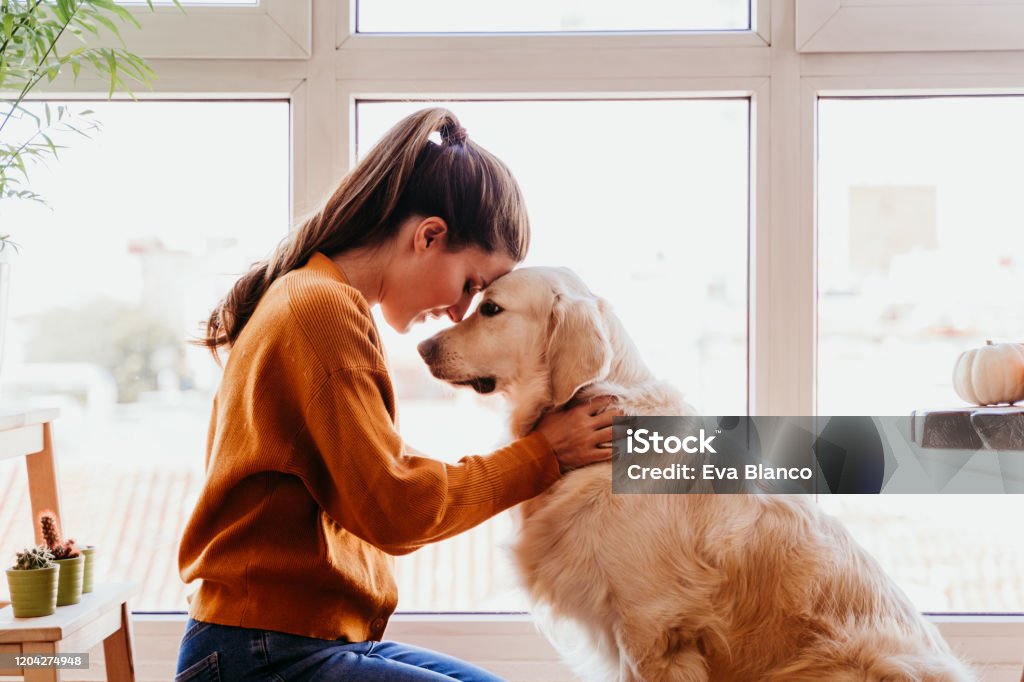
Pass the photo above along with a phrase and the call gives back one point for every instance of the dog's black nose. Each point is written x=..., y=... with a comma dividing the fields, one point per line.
x=428, y=350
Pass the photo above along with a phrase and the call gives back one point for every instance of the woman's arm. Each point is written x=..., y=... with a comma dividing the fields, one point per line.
x=360, y=472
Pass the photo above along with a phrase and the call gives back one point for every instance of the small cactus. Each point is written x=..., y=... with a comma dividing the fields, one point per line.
x=51, y=534
x=65, y=550
x=34, y=557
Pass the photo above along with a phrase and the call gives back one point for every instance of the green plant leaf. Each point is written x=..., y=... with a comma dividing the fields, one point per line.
x=112, y=63
x=88, y=25
x=110, y=26
x=60, y=9
x=49, y=142
x=122, y=13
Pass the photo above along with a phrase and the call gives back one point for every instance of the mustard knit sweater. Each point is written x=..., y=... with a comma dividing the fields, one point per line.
x=308, y=488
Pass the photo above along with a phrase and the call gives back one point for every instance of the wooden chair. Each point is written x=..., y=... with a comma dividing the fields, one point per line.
x=102, y=615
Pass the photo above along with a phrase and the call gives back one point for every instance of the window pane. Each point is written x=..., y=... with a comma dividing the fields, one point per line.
x=921, y=256
x=153, y=219
x=472, y=16
x=647, y=202
x=921, y=248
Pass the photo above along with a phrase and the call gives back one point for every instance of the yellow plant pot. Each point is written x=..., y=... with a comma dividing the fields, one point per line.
x=33, y=591
x=87, y=574
x=69, y=586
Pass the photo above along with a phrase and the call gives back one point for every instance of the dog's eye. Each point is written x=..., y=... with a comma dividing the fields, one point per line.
x=489, y=308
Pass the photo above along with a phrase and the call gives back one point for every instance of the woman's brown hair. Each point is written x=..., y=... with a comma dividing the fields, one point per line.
x=406, y=174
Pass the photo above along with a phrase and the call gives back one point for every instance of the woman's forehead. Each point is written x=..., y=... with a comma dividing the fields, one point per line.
x=488, y=266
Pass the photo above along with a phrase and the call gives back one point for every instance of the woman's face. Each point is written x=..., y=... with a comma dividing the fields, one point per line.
x=425, y=279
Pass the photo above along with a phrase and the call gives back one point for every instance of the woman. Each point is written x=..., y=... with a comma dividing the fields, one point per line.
x=309, y=487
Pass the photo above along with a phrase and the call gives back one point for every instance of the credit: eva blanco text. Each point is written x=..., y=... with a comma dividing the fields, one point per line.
x=644, y=441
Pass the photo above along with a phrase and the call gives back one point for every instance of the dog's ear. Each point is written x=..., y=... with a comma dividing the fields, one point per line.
x=579, y=352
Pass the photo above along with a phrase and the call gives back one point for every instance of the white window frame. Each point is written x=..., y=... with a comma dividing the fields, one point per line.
x=909, y=25
x=268, y=29
x=782, y=66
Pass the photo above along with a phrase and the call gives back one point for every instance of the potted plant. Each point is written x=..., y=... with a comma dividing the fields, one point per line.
x=34, y=45
x=67, y=557
x=33, y=583
x=89, y=552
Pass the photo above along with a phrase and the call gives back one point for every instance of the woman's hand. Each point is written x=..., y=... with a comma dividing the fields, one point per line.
x=581, y=435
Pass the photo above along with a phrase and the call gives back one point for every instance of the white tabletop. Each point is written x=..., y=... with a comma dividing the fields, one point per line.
x=13, y=418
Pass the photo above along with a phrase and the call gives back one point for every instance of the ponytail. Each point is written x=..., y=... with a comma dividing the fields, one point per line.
x=405, y=174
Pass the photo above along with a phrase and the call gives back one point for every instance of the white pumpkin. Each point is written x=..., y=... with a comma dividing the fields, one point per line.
x=991, y=374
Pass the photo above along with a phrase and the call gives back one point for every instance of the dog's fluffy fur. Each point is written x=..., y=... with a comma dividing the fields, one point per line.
x=673, y=587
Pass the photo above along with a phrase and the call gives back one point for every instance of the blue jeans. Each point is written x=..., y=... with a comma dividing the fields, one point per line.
x=221, y=653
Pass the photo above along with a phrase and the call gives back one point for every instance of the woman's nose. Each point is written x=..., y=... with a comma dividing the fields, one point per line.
x=458, y=311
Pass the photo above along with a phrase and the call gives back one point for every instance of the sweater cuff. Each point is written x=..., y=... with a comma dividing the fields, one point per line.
x=527, y=467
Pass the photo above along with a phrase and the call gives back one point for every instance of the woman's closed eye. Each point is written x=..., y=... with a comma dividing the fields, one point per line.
x=471, y=288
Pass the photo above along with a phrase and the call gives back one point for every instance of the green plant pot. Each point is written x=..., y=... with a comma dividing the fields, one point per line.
x=69, y=587
x=88, y=553
x=33, y=592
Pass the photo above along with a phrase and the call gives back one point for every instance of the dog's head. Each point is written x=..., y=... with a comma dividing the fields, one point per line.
x=538, y=330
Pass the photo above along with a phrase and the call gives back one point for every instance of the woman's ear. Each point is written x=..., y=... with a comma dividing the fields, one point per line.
x=431, y=232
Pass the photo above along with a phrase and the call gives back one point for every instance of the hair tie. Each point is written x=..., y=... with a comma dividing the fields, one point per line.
x=453, y=134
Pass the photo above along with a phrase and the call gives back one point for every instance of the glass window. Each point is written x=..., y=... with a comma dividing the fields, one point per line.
x=921, y=247
x=152, y=220
x=921, y=256
x=471, y=16
x=647, y=202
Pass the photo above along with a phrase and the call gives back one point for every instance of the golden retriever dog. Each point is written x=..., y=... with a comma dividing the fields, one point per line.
x=686, y=587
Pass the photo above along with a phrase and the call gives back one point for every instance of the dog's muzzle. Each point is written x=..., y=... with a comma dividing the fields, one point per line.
x=428, y=349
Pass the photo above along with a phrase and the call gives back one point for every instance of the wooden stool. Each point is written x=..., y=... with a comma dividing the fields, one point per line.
x=103, y=614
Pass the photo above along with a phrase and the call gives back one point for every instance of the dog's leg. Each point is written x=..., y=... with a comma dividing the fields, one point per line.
x=651, y=656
